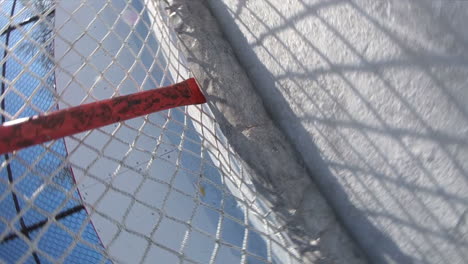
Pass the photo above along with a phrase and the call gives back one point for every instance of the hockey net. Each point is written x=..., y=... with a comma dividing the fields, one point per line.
x=163, y=188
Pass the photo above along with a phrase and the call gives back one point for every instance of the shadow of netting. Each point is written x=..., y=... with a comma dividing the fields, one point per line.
x=380, y=102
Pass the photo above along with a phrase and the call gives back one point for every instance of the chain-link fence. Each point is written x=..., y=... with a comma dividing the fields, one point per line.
x=163, y=188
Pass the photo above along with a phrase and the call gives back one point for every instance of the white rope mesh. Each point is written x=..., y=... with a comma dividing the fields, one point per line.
x=164, y=188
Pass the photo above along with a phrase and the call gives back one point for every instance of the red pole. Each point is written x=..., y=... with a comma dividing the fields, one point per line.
x=38, y=129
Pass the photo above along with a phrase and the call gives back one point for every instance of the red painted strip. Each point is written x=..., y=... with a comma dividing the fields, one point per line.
x=42, y=128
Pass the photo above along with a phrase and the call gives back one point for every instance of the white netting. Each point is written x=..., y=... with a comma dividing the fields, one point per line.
x=164, y=188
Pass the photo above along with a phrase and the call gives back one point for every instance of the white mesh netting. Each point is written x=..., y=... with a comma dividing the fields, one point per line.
x=163, y=188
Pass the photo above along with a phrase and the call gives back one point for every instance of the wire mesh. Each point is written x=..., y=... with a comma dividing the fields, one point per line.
x=163, y=188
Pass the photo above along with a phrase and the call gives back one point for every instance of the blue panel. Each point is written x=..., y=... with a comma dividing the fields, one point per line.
x=32, y=72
